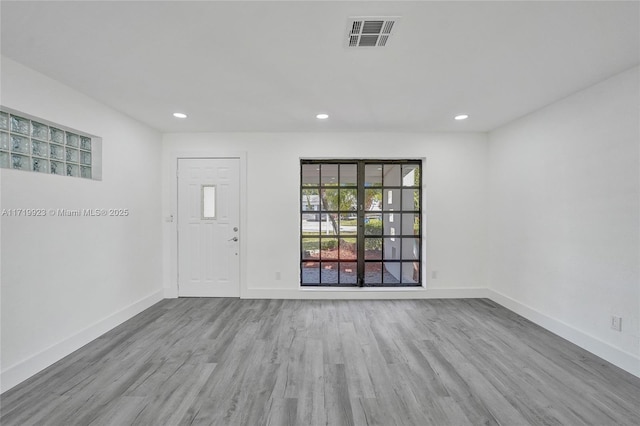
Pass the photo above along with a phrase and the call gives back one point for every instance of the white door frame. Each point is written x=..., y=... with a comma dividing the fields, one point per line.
x=170, y=209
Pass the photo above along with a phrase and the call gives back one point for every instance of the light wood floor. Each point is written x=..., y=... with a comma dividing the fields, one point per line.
x=287, y=362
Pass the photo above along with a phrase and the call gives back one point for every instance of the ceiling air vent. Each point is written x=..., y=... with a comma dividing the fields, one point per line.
x=367, y=31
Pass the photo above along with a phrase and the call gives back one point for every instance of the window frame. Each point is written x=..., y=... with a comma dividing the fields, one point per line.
x=361, y=259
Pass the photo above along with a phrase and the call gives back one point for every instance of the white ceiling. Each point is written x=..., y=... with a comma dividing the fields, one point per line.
x=272, y=66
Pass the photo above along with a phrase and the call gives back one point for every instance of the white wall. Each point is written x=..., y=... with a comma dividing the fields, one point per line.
x=564, y=217
x=66, y=280
x=561, y=188
x=454, y=192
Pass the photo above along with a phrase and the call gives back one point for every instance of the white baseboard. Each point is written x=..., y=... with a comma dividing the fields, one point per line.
x=170, y=293
x=357, y=293
x=615, y=356
x=21, y=371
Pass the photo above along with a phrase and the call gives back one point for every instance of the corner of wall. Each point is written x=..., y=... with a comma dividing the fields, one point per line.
x=563, y=202
x=23, y=370
x=46, y=308
x=604, y=350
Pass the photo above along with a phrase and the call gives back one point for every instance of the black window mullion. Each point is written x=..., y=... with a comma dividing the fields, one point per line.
x=360, y=223
x=401, y=192
x=338, y=260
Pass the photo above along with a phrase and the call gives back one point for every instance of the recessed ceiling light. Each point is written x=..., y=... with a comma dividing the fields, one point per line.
x=179, y=115
x=461, y=117
x=322, y=116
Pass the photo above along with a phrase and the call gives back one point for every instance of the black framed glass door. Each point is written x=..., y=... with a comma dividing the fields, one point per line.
x=360, y=223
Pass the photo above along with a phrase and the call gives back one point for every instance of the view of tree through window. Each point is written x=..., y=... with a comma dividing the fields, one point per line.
x=360, y=223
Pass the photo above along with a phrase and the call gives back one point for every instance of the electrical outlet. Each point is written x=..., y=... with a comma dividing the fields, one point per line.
x=434, y=275
x=278, y=275
x=616, y=323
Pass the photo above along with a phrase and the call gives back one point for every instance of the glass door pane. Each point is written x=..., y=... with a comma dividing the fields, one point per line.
x=208, y=201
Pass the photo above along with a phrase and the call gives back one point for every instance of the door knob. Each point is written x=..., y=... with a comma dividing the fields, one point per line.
x=234, y=239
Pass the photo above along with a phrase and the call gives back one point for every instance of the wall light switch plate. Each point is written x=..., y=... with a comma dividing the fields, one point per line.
x=616, y=323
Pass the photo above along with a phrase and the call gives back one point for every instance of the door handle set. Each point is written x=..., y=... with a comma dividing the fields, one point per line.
x=234, y=239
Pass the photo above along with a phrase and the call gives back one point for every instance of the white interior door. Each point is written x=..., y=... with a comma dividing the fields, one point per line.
x=208, y=227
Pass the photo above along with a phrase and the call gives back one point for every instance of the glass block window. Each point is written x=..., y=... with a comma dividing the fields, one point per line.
x=32, y=144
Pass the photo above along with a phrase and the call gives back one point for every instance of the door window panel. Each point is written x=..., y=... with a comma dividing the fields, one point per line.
x=348, y=174
x=372, y=273
x=329, y=199
x=372, y=175
x=310, y=248
x=329, y=174
x=411, y=199
x=329, y=273
x=348, y=200
x=349, y=273
x=329, y=225
x=348, y=248
x=310, y=175
x=391, y=200
x=392, y=174
x=310, y=273
x=208, y=201
x=410, y=175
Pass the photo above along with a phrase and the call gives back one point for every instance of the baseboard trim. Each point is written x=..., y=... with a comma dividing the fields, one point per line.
x=170, y=293
x=358, y=293
x=21, y=371
x=615, y=356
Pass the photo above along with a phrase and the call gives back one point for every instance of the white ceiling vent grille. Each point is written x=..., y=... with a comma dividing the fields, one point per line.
x=368, y=31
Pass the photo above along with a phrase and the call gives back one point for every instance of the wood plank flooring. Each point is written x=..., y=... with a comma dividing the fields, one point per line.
x=293, y=362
